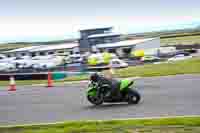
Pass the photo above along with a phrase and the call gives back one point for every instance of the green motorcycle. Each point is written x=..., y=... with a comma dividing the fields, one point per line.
x=97, y=94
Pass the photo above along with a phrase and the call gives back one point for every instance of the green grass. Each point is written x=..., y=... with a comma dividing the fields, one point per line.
x=184, y=40
x=182, y=125
x=182, y=34
x=189, y=66
x=6, y=47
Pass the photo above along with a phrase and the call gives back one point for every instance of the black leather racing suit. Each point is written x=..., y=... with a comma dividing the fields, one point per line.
x=113, y=83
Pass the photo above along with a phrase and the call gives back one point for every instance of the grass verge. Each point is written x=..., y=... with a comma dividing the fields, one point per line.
x=186, y=40
x=189, y=66
x=172, y=125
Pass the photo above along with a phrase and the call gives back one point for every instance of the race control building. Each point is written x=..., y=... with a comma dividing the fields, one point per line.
x=91, y=40
x=103, y=39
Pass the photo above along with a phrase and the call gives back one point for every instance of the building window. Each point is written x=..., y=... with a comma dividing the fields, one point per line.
x=112, y=50
x=50, y=53
x=70, y=52
x=61, y=51
x=127, y=50
x=101, y=50
x=33, y=54
x=8, y=55
x=107, y=40
x=42, y=53
x=23, y=54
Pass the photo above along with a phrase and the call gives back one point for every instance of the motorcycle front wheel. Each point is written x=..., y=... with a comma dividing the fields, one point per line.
x=95, y=100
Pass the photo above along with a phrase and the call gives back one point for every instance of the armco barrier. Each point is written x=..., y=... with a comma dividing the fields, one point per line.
x=76, y=67
x=31, y=76
x=41, y=76
x=24, y=76
x=58, y=75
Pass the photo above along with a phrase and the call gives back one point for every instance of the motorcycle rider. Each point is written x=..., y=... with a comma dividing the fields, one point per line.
x=112, y=83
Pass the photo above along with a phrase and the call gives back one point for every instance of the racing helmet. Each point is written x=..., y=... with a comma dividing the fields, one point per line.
x=94, y=77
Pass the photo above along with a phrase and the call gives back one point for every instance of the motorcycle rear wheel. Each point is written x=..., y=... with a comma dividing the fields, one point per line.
x=133, y=97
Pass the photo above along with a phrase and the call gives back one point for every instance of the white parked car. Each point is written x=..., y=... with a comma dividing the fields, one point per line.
x=41, y=62
x=76, y=58
x=6, y=66
x=22, y=62
x=179, y=57
x=44, y=65
x=117, y=63
x=150, y=59
x=4, y=59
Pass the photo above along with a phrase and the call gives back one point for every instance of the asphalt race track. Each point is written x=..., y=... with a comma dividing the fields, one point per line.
x=166, y=96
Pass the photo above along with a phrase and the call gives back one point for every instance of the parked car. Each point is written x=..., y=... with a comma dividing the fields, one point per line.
x=47, y=62
x=117, y=63
x=179, y=57
x=6, y=66
x=191, y=51
x=75, y=58
x=150, y=59
x=22, y=62
x=182, y=53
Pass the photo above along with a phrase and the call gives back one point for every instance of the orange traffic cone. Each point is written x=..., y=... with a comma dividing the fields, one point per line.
x=50, y=81
x=12, y=84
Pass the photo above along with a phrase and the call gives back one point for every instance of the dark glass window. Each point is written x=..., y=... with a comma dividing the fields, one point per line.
x=112, y=50
x=33, y=54
x=23, y=54
x=50, y=53
x=60, y=51
x=71, y=52
x=127, y=50
x=42, y=53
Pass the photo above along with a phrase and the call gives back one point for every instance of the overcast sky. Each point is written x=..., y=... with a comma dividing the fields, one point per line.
x=38, y=20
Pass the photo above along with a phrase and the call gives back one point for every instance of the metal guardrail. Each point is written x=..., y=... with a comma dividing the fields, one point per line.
x=41, y=76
